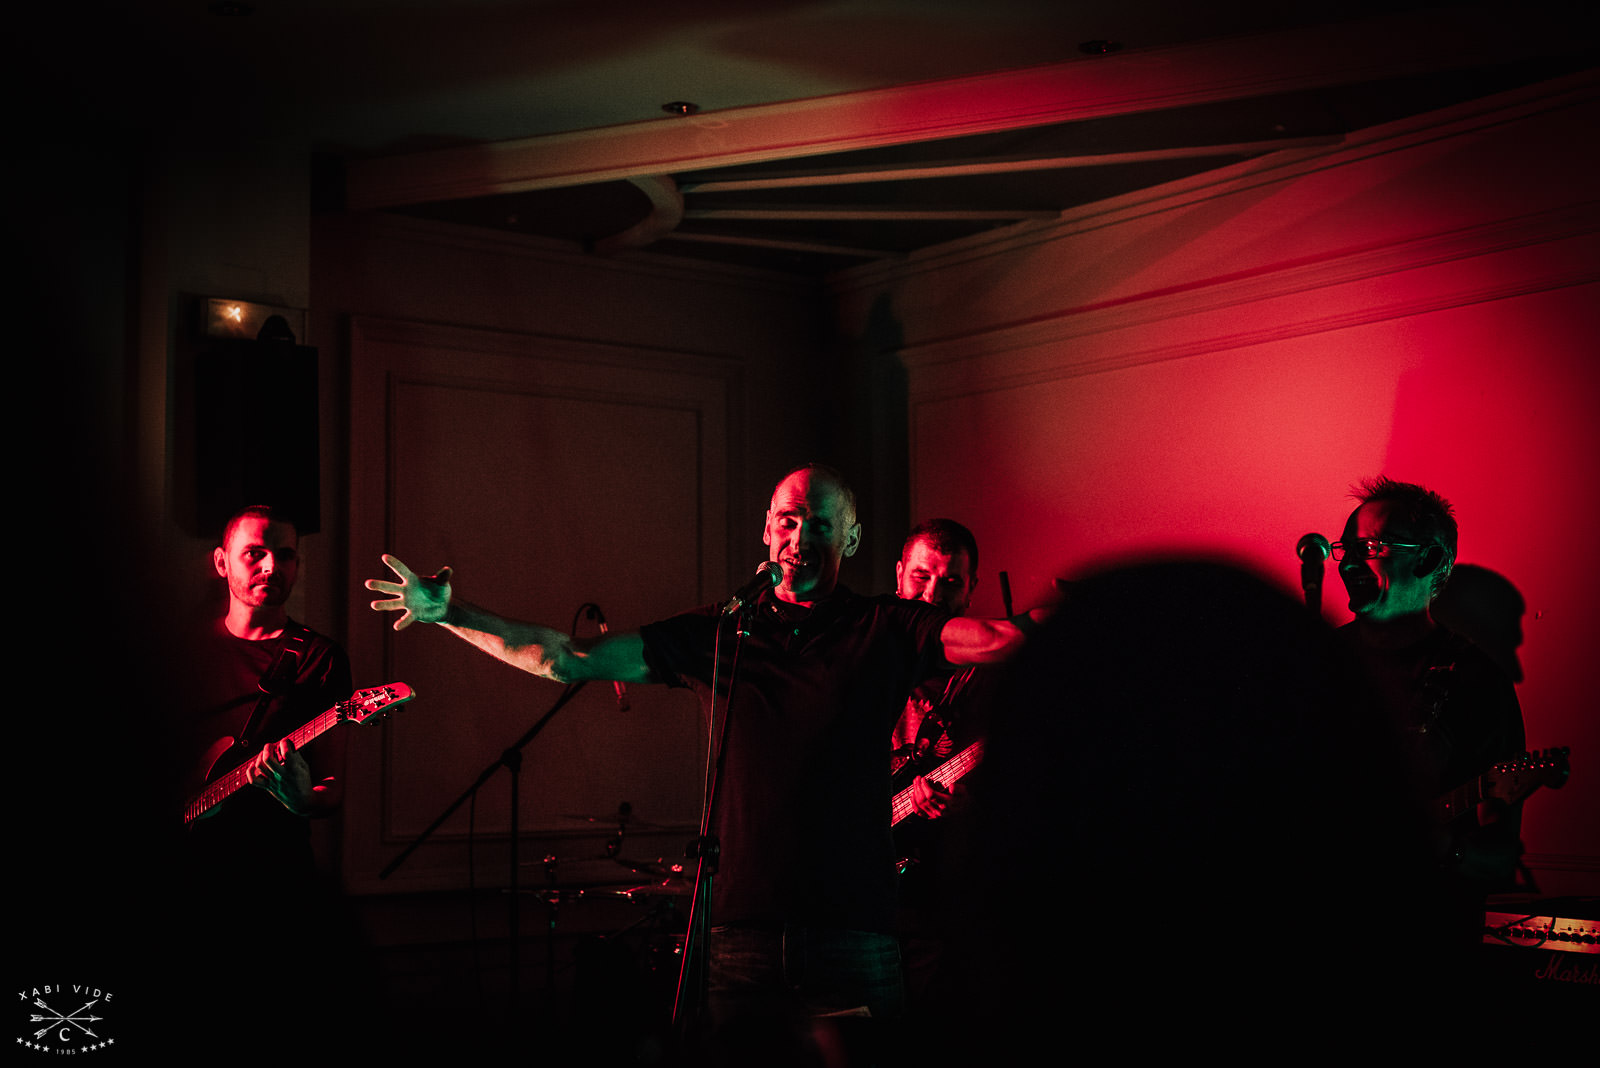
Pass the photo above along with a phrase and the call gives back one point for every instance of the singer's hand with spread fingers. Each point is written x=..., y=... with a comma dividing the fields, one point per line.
x=423, y=598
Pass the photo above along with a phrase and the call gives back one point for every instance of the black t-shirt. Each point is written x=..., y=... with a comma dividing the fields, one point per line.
x=802, y=814
x=1457, y=715
x=252, y=828
x=1456, y=709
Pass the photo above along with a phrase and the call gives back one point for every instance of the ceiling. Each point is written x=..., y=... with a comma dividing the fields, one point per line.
x=807, y=136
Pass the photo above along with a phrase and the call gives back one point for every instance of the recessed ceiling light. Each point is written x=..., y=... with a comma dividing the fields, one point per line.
x=680, y=107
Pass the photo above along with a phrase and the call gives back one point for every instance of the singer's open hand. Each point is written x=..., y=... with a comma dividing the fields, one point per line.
x=423, y=598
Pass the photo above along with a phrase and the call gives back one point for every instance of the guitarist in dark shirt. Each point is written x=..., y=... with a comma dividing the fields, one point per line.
x=261, y=837
x=1457, y=711
x=264, y=927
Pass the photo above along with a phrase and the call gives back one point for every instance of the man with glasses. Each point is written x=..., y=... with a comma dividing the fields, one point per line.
x=1458, y=712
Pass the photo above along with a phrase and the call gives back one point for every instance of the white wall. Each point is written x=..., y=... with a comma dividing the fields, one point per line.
x=1209, y=368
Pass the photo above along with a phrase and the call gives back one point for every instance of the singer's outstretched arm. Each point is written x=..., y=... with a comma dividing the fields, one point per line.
x=539, y=650
x=985, y=641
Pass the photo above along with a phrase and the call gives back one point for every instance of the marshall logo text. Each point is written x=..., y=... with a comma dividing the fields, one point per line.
x=1556, y=970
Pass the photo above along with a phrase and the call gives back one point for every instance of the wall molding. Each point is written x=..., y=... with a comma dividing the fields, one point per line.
x=1546, y=251
x=577, y=351
x=569, y=255
x=1551, y=247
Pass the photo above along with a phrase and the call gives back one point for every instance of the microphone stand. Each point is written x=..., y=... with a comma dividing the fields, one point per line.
x=1312, y=587
x=511, y=759
x=705, y=849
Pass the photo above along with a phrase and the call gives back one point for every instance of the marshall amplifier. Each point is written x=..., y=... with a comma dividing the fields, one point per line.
x=1549, y=948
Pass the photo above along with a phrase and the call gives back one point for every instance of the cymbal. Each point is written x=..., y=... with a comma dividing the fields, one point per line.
x=614, y=820
x=657, y=868
x=578, y=872
x=665, y=888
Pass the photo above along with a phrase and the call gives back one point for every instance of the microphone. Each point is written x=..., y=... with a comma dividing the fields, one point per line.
x=622, y=691
x=768, y=575
x=1313, y=550
x=1312, y=544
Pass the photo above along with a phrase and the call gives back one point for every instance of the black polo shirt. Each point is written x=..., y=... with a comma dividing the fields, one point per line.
x=803, y=802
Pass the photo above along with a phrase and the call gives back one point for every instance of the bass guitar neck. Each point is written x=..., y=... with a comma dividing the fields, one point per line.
x=944, y=775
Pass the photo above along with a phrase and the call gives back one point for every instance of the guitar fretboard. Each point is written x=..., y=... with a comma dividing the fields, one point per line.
x=232, y=782
x=1463, y=798
x=362, y=706
x=944, y=775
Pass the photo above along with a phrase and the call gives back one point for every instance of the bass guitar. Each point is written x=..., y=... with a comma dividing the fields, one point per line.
x=360, y=707
x=944, y=775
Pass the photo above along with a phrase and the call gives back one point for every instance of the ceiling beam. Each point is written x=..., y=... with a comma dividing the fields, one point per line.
x=999, y=165
x=816, y=212
x=784, y=245
x=1122, y=83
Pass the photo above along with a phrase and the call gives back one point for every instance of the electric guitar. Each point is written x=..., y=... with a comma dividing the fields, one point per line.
x=1509, y=782
x=945, y=774
x=361, y=706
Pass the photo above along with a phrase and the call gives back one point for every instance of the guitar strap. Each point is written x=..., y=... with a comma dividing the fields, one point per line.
x=942, y=716
x=1437, y=678
x=936, y=722
x=276, y=681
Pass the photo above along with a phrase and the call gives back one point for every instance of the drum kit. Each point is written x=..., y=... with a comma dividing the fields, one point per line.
x=648, y=940
x=645, y=881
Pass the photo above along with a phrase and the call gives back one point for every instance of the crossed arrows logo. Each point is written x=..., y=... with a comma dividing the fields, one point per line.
x=77, y=1019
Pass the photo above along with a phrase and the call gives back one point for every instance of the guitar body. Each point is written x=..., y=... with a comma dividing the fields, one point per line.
x=226, y=760
x=220, y=756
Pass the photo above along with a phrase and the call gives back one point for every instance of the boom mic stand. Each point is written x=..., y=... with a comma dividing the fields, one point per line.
x=511, y=759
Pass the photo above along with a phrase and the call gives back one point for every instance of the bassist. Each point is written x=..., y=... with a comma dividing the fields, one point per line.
x=941, y=719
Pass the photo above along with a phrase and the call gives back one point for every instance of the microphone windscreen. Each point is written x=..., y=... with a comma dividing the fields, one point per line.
x=1313, y=548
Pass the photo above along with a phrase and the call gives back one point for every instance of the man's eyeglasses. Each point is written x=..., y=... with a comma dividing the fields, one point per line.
x=1369, y=548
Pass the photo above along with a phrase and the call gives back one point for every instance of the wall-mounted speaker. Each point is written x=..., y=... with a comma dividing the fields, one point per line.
x=256, y=441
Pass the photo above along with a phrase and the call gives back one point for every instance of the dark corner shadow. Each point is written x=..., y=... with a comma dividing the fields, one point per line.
x=1487, y=608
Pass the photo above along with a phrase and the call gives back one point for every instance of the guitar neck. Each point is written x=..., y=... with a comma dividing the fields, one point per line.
x=1463, y=798
x=1508, y=782
x=225, y=786
x=945, y=774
